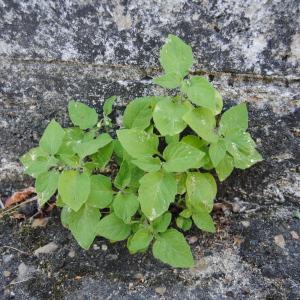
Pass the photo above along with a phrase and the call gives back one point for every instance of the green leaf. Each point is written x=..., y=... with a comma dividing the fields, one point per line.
x=157, y=190
x=219, y=102
x=172, y=248
x=136, y=175
x=36, y=162
x=138, y=112
x=225, y=167
x=217, y=152
x=123, y=177
x=180, y=157
x=201, y=190
x=194, y=141
x=202, y=93
x=81, y=115
x=169, y=81
x=148, y=164
x=234, y=119
x=172, y=139
x=186, y=213
x=184, y=223
x=168, y=115
x=108, y=104
x=203, y=122
x=113, y=228
x=204, y=221
x=125, y=205
x=138, y=143
x=74, y=188
x=242, y=147
x=176, y=56
x=46, y=185
x=52, y=138
x=90, y=147
x=103, y=155
x=181, y=180
x=101, y=194
x=140, y=240
x=162, y=223
x=82, y=224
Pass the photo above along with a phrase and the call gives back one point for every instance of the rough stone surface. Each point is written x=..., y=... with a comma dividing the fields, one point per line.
x=53, y=51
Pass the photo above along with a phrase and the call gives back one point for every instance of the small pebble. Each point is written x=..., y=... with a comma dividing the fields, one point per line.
x=104, y=247
x=71, y=253
x=6, y=273
x=245, y=223
x=160, y=290
x=7, y=258
x=49, y=248
x=96, y=247
x=295, y=235
x=236, y=207
x=139, y=276
x=192, y=240
x=112, y=257
x=279, y=240
x=130, y=285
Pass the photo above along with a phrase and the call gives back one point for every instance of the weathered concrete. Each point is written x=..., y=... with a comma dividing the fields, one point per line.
x=53, y=51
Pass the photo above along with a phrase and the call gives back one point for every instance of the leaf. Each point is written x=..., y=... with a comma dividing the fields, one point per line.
x=90, y=147
x=162, y=223
x=172, y=248
x=204, y=221
x=101, y=194
x=125, y=205
x=242, y=147
x=74, y=188
x=148, y=164
x=217, y=152
x=202, y=93
x=113, y=228
x=103, y=155
x=234, y=119
x=81, y=115
x=176, y=56
x=201, y=190
x=140, y=240
x=46, y=185
x=184, y=223
x=138, y=113
x=36, y=162
x=181, y=180
x=172, y=139
x=123, y=177
x=108, y=104
x=194, y=141
x=168, y=115
x=180, y=157
x=83, y=224
x=157, y=190
x=136, y=175
x=225, y=167
x=52, y=138
x=219, y=102
x=169, y=80
x=203, y=122
x=20, y=196
x=138, y=143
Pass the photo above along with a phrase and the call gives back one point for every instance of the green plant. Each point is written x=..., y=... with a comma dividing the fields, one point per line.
x=155, y=174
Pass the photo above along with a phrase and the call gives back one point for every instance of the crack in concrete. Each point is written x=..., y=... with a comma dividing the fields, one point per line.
x=151, y=71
